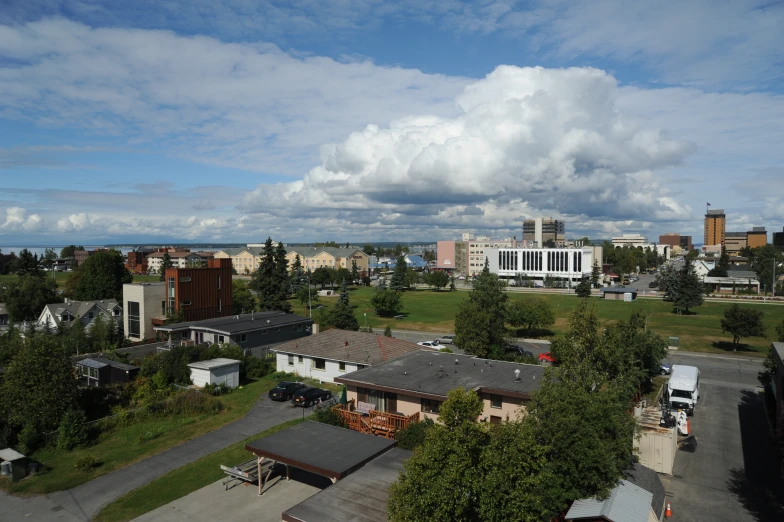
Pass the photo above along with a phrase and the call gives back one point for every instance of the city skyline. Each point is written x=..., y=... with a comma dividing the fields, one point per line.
x=365, y=121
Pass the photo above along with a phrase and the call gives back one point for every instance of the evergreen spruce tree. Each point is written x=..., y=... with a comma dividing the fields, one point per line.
x=296, y=275
x=690, y=290
x=596, y=273
x=398, y=282
x=354, y=271
x=268, y=279
x=342, y=315
x=166, y=263
x=343, y=293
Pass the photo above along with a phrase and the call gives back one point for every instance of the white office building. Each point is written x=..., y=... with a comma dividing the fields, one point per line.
x=572, y=264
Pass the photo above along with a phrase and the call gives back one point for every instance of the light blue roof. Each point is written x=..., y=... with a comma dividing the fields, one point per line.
x=626, y=503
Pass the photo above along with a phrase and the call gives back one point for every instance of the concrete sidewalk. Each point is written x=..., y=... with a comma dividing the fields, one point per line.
x=83, y=502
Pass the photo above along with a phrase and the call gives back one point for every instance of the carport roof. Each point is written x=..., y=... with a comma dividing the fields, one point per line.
x=362, y=497
x=326, y=450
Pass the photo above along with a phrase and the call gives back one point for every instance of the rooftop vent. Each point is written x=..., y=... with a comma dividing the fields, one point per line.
x=456, y=362
x=517, y=375
x=346, y=343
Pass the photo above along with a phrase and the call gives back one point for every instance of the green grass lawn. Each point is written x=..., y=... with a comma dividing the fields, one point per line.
x=121, y=446
x=427, y=310
x=180, y=482
x=60, y=278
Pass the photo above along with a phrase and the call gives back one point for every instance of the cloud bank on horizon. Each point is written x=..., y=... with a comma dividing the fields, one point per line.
x=120, y=126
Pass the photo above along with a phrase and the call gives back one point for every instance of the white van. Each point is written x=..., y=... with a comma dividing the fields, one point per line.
x=684, y=388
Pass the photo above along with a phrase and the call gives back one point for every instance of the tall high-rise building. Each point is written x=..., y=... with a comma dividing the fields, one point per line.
x=778, y=239
x=757, y=237
x=715, y=227
x=543, y=230
x=674, y=239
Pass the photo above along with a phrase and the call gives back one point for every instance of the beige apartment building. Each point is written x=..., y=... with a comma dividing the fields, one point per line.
x=330, y=257
x=244, y=260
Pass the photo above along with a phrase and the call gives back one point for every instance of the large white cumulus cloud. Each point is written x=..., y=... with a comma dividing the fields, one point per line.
x=527, y=140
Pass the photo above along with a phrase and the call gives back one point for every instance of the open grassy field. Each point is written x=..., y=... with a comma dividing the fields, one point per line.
x=61, y=277
x=122, y=446
x=180, y=482
x=701, y=332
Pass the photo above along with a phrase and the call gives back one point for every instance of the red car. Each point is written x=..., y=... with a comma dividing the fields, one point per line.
x=546, y=357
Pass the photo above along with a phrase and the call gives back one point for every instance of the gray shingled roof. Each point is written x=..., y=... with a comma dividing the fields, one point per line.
x=649, y=480
x=626, y=503
x=437, y=373
x=360, y=497
x=354, y=347
x=81, y=308
x=335, y=252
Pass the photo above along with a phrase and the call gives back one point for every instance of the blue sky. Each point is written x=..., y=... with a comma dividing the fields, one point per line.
x=365, y=120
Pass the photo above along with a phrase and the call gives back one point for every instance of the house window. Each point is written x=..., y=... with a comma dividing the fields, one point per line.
x=360, y=366
x=185, y=280
x=185, y=303
x=342, y=366
x=163, y=307
x=220, y=304
x=430, y=406
x=319, y=364
x=134, y=323
x=219, y=282
x=494, y=419
x=496, y=401
x=291, y=360
x=90, y=315
x=220, y=339
x=243, y=338
x=299, y=359
x=116, y=312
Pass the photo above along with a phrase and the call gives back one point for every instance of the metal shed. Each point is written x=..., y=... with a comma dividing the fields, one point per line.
x=13, y=463
x=322, y=449
x=657, y=446
x=216, y=371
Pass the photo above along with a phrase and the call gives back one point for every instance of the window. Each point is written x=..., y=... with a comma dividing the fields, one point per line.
x=319, y=364
x=299, y=358
x=430, y=406
x=185, y=280
x=276, y=329
x=360, y=366
x=93, y=372
x=264, y=332
x=219, y=282
x=243, y=338
x=496, y=401
x=163, y=307
x=495, y=419
x=90, y=315
x=291, y=360
x=185, y=303
x=342, y=366
x=220, y=304
x=221, y=339
x=116, y=311
x=134, y=323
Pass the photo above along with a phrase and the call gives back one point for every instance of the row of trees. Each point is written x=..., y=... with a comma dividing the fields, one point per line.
x=575, y=441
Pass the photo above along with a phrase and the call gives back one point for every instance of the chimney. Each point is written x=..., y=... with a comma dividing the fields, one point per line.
x=315, y=329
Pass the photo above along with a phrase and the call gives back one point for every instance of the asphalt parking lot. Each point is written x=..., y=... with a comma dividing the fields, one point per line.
x=732, y=475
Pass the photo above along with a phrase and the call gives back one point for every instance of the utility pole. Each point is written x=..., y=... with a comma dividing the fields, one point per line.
x=773, y=286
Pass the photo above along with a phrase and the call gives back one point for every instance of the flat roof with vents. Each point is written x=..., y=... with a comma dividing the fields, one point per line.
x=435, y=374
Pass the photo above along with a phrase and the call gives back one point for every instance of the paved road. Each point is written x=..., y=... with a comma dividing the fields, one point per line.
x=534, y=346
x=732, y=475
x=83, y=502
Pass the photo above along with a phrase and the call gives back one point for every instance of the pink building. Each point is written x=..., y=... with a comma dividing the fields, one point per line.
x=445, y=251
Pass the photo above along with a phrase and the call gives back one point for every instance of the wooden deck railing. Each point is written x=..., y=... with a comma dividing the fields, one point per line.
x=374, y=422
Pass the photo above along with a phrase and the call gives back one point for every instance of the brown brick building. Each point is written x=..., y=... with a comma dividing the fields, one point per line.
x=136, y=262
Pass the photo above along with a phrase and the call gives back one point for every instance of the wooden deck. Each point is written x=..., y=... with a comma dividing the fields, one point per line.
x=374, y=422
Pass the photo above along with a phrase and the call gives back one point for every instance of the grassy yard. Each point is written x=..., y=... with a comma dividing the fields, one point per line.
x=61, y=277
x=180, y=482
x=122, y=446
x=427, y=310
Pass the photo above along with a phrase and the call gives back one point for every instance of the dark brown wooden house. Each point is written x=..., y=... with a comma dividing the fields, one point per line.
x=97, y=371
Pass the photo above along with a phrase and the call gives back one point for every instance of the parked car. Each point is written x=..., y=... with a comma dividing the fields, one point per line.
x=285, y=390
x=447, y=339
x=432, y=344
x=666, y=367
x=517, y=350
x=310, y=396
x=547, y=357
x=653, y=284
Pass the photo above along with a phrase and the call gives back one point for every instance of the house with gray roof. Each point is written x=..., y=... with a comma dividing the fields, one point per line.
x=54, y=315
x=640, y=497
x=420, y=381
x=335, y=352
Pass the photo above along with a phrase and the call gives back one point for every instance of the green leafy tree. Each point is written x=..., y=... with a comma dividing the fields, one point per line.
x=321, y=276
x=386, y=302
x=437, y=279
x=479, y=323
x=101, y=276
x=412, y=278
x=766, y=261
x=517, y=481
x=38, y=386
x=369, y=250
x=241, y=297
x=48, y=258
x=742, y=322
x=625, y=262
x=387, y=331
x=26, y=296
x=69, y=252
x=596, y=274
x=341, y=274
x=441, y=480
x=780, y=331
x=398, y=282
x=73, y=430
x=532, y=313
x=583, y=289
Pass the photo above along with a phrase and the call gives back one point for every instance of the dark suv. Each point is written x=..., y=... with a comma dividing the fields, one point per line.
x=284, y=391
x=310, y=396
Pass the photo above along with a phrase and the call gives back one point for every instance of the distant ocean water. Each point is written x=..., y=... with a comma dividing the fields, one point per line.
x=39, y=249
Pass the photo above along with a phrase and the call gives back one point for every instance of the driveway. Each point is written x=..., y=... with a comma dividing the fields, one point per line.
x=732, y=475
x=83, y=502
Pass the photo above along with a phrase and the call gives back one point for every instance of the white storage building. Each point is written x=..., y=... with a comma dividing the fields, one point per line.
x=216, y=371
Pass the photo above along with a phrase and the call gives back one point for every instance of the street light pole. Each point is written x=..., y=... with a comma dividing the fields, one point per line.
x=310, y=307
